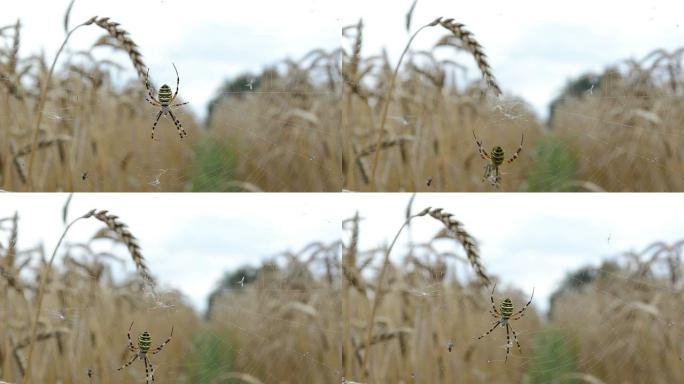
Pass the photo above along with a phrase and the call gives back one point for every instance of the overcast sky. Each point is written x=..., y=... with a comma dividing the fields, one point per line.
x=208, y=40
x=530, y=240
x=188, y=240
x=534, y=46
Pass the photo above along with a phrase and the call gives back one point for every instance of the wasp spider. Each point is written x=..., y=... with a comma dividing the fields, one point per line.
x=503, y=316
x=496, y=159
x=165, y=101
x=141, y=351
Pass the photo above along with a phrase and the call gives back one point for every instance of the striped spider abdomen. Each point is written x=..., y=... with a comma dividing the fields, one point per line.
x=506, y=309
x=144, y=342
x=497, y=155
x=165, y=95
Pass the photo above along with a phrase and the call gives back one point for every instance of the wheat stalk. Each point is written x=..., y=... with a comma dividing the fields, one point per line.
x=388, y=98
x=379, y=292
x=114, y=30
x=42, y=99
x=471, y=44
x=41, y=293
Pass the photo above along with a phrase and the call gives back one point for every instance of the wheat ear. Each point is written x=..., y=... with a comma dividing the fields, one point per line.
x=129, y=240
x=475, y=49
x=468, y=242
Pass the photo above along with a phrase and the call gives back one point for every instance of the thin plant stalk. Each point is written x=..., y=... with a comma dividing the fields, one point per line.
x=378, y=293
x=41, y=105
x=388, y=97
x=41, y=293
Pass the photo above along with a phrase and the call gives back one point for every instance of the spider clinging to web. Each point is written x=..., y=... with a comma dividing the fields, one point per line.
x=503, y=316
x=141, y=351
x=496, y=158
x=165, y=101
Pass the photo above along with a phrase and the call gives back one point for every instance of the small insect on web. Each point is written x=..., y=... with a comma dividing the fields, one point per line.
x=496, y=158
x=165, y=101
x=503, y=318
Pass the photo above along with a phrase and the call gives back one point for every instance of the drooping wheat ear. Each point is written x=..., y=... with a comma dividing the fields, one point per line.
x=475, y=49
x=385, y=144
x=387, y=335
x=467, y=241
x=130, y=241
x=127, y=43
x=44, y=143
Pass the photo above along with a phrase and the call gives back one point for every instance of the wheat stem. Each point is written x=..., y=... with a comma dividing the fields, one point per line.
x=41, y=105
x=388, y=98
x=378, y=293
x=41, y=293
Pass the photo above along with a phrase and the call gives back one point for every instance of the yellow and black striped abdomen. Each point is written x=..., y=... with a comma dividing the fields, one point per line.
x=506, y=309
x=144, y=342
x=165, y=95
x=497, y=154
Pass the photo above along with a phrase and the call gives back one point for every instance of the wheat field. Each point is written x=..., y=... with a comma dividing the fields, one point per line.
x=70, y=125
x=408, y=125
x=415, y=318
x=65, y=313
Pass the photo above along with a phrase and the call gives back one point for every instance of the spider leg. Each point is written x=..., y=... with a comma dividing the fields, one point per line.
x=177, y=83
x=497, y=177
x=129, y=363
x=179, y=104
x=155, y=122
x=147, y=372
x=153, y=101
x=515, y=155
x=181, y=131
x=508, y=342
x=491, y=297
x=481, y=150
x=159, y=348
x=522, y=311
x=488, y=170
x=130, y=343
x=515, y=337
x=147, y=84
x=488, y=332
